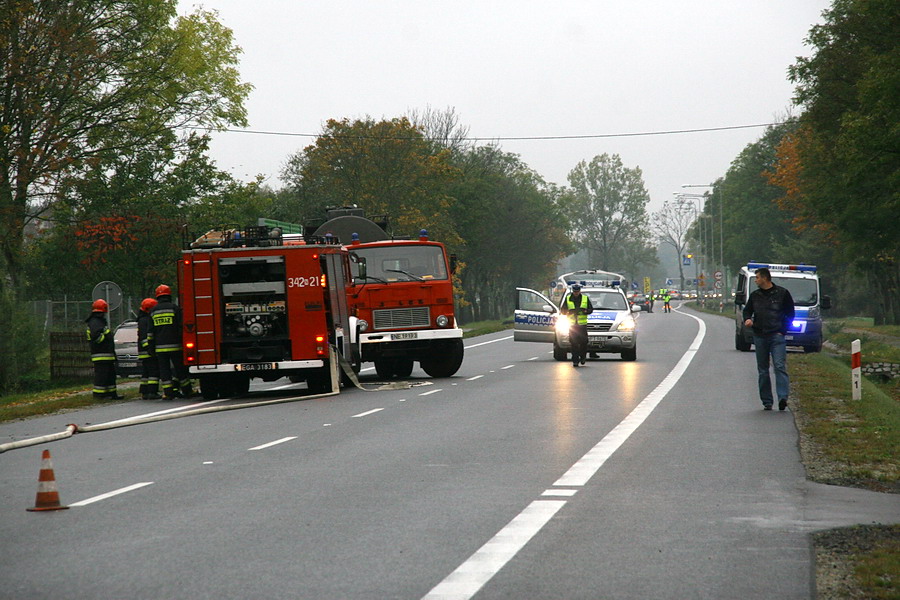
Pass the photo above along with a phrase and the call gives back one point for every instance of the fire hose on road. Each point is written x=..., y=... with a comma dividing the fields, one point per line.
x=72, y=429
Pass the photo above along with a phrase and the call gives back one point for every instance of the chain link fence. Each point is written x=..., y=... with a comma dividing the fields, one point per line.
x=69, y=315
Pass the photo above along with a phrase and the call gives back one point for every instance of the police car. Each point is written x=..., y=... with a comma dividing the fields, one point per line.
x=611, y=327
x=802, y=281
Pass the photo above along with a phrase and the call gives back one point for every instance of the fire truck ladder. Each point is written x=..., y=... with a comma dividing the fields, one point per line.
x=204, y=308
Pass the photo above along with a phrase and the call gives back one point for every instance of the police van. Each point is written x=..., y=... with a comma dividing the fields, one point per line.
x=611, y=327
x=802, y=281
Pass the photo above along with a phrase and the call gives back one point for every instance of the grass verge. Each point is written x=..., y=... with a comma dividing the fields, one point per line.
x=53, y=397
x=847, y=442
x=485, y=327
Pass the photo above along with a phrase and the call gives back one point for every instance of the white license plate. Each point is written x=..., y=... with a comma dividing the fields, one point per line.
x=788, y=337
x=257, y=367
x=404, y=336
x=128, y=365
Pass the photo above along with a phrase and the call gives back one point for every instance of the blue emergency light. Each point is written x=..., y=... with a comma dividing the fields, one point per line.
x=778, y=267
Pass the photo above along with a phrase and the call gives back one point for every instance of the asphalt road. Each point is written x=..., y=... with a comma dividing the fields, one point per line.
x=520, y=477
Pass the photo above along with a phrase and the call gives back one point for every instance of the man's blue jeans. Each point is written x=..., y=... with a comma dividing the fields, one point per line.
x=775, y=345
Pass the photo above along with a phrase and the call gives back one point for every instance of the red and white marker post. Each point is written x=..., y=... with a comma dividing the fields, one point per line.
x=856, y=369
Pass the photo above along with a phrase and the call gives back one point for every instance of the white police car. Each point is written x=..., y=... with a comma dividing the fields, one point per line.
x=802, y=281
x=611, y=327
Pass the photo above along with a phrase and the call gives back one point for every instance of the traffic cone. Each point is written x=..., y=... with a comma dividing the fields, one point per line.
x=47, y=494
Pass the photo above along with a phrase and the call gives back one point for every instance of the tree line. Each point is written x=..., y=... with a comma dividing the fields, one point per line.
x=103, y=166
x=823, y=187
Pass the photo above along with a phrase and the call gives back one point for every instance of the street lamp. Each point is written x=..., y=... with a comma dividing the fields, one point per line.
x=721, y=233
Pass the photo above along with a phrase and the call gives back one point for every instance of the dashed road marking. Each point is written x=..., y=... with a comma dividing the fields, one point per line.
x=276, y=442
x=367, y=413
x=111, y=494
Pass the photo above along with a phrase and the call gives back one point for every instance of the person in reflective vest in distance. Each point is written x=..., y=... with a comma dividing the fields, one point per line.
x=165, y=327
x=146, y=352
x=578, y=306
x=667, y=297
x=103, y=352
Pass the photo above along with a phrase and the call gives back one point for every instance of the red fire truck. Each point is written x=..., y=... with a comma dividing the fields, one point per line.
x=256, y=304
x=402, y=295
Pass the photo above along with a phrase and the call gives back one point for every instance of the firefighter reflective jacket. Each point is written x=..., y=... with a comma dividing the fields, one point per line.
x=145, y=335
x=166, y=325
x=103, y=346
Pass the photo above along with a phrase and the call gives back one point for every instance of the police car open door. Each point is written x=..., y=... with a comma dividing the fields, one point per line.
x=535, y=317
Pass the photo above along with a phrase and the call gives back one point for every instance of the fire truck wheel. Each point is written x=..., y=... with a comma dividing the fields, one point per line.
x=208, y=388
x=403, y=367
x=241, y=385
x=319, y=381
x=384, y=367
x=447, y=362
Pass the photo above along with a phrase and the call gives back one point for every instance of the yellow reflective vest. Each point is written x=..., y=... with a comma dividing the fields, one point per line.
x=581, y=317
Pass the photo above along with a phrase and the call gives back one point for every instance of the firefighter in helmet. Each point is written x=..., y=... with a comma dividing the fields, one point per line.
x=165, y=327
x=103, y=351
x=147, y=353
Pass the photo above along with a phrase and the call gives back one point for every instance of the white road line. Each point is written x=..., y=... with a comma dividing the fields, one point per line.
x=111, y=494
x=566, y=493
x=368, y=412
x=469, y=577
x=275, y=443
x=509, y=337
x=590, y=463
x=478, y=569
x=474, y=378
x=431, y=392
x=163, y=412
x=534, y=358
x=507, y=367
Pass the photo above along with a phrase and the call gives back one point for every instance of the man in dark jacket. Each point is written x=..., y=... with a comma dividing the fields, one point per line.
x=103, y=351
x=147, y=352
x=769, y=311
x=166, y=331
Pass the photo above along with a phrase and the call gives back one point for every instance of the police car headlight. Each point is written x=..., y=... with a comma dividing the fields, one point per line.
x=627, y=324
x=563, y=322
x=442, y=321
x=363, y=325
x=814, y=312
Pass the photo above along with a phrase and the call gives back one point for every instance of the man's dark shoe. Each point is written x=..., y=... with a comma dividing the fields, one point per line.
x=782, y=404
x=117, y=397
x=151, y=397
x=767, y=407
x=575, y=364
x=582, y=361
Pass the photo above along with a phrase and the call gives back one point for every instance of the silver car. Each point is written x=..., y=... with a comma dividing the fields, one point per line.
x=126, y=338
x=612, y=327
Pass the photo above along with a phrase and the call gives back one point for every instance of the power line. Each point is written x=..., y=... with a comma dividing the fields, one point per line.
x=502, y=139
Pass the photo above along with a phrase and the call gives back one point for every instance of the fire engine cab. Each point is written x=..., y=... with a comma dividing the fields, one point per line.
x=256, y=304
x=402, y=294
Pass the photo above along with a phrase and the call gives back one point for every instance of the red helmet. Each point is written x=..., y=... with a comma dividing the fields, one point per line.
x=100, y=306
x=148, y=304
x=163, y=290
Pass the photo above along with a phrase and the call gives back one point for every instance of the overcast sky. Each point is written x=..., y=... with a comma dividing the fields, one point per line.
x=522, y=68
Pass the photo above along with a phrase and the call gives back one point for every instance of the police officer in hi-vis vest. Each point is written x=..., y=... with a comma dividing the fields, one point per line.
x=578, y=306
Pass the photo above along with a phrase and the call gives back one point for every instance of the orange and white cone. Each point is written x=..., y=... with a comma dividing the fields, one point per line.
x=47, y=494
